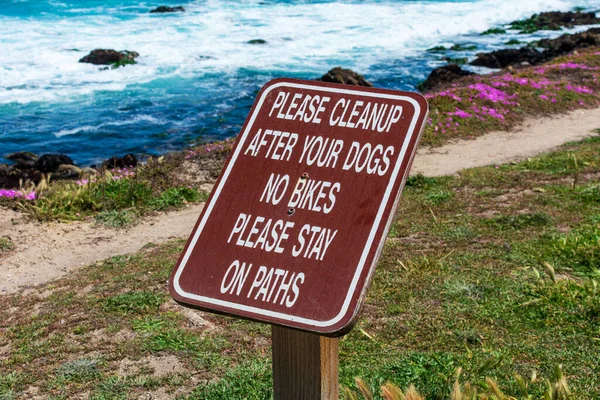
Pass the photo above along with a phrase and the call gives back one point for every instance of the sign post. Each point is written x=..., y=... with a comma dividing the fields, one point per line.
x=292, y=231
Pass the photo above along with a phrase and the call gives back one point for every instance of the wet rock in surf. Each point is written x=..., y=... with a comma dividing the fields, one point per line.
x=443, y=76
x=555, y=20
x=110, y=57
x=552, y=48
x=346, y=77
x=51, y=162
x=167, y=9
x=257, y=41
x=567, y=43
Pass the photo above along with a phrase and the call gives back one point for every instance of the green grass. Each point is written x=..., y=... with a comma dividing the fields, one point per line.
x=6, y=244
x=493, y=271
x=117, y=218
x=176, y=197
x=80, y=370
x=134, y=302
x=116, y=199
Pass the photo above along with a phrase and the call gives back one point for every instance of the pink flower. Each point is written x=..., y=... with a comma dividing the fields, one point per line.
x=579, y=89
x=489, y=93
x=448, y=93
x=17, y=194
x=460, y=113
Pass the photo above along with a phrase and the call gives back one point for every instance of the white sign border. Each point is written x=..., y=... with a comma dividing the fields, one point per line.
x=366, y=250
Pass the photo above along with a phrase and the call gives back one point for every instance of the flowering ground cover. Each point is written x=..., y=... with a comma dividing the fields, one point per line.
x=501, y=101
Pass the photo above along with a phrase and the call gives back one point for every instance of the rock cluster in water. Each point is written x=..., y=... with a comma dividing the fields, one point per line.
x=167, y=9
x=554, y=20
x=110, y=57
x=443, y=76
x=524, y=56
x=552, y=48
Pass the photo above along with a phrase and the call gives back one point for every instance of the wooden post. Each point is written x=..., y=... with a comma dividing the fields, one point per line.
x=305, y=365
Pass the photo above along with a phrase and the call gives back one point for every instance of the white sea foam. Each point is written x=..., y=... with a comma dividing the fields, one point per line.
x=38, y=63
x=67, y=132
x=121, y=122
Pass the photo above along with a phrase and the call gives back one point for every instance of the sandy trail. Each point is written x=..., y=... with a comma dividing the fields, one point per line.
x=48, y=251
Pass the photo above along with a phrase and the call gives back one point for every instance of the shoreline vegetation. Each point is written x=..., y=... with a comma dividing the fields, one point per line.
x=561, y=77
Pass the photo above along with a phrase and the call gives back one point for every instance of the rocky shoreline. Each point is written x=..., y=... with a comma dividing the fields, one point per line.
x=28, y=169
x=533, y=53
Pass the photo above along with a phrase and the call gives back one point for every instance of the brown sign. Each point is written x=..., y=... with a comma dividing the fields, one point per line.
x=295, y=224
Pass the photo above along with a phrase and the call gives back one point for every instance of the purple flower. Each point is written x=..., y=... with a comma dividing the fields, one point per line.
x=579, y=89
x=489, y=93
x=571, y=65
x=460, y=114
x=17, y=194
x=448, y=93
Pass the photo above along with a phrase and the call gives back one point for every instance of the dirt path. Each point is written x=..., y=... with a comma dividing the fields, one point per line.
x=48, y=251
x=535, y=137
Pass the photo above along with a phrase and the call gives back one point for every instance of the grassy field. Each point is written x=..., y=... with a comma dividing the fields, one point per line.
x=493, y=270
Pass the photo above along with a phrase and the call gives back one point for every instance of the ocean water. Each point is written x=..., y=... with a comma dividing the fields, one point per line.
x=197, y=76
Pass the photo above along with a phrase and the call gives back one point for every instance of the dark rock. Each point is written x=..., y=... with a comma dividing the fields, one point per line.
x=555, y=20
x=257, y=41
x=552, y=48
x=567, y=43
x=456, y=60
x=88, y=171
x=512, y=42
x=110, y=57
x=128, y=160
x=463, y=47
x=14, y=178
x=51, y=162
x=494, y=31
x=22, y=159
x=167, y=9
x=443, y=76
x=437, y=49
x=67, y=171
x=504, y=58
x=345, y=76
x=21, y=156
